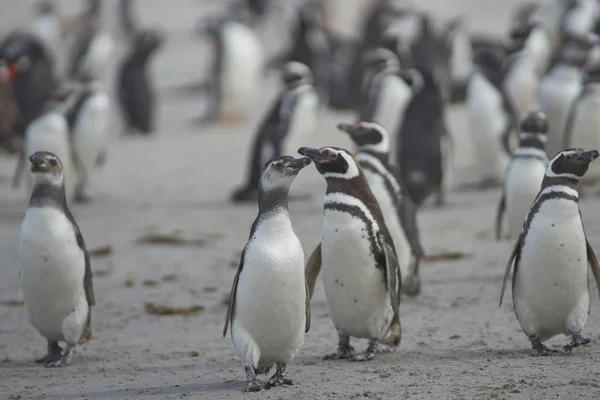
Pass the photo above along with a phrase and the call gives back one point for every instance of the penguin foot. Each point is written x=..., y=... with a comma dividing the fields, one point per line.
x=64, y=360
x=54, y=354
x=577, y=340
x=344, y=351
x=254, y=384
x=278, y=378
x=411, y=285
x=369, y=354
x=245, y=194
x=540, y=349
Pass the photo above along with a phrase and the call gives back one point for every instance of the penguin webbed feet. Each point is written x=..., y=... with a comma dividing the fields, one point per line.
x=278, y=378
x=576, y=341
x=539, y=349
x=344, y=351
x=55, y=356
x=254, y=385
x=369, y=353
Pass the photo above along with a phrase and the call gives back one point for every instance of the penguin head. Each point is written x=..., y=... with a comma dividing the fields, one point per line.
x=46, y=168
x=147, y=41
x=279, y=172
x=369, y=136
x=570, y=164
x=17, y=53
x=295, y=73
x=332, y=162
x=380, y=59
x=533, y=130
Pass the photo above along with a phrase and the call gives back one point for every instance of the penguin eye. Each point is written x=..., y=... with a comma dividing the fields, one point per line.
x=569, y=157
x=279, y=165
x=333, y=156
x=52, y=161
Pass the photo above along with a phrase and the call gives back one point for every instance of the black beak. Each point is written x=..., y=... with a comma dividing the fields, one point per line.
x=589, y=156
x=350, y=129
x=299, y=163
x=313, y=154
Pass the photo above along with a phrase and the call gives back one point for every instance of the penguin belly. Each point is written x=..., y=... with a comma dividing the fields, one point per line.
x=557, y=92
x=585, y=131
x=540, y=48
x=99, y=55
x=461, y=58
x=359, y=304
x=303, y=123
x=242, y=70
x=392, y=220
x=521, y=86
x=486, y=123
x=91, y=131
x=50, y=132
x=269, y=316
x=522, y=184
x=550, y=290
x=52, y=267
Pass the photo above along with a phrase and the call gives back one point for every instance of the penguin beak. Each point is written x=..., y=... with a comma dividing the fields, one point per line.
x=299, y=163
x=350, y=129
x=314, y=154
x=9, y=73
x=38, y=163
x=588, y=156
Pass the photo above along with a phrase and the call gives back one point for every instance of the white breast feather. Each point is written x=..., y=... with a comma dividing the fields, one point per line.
x=303, y=121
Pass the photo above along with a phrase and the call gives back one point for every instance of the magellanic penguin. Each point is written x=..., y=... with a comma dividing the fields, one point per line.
x=524, y=174
x=387, y=91
x=237, y=71
x=580, y=18
x=136, y=92
x=55, y=270
x=399, y=212
x=361, y=275
x=269, y=304
x=424, y=144
x=583, y=124
x=550, y=282
x=92, y=51
x=461, y=59
x=48, y=29
x=291, y=119
x=558, y=90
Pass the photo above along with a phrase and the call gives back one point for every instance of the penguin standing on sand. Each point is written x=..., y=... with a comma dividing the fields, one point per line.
x=136, y=93
x=399, y=213
x=55, y=270
x=524, y=174
x=237, y=71
x=424, y=151
x=47, y=28
x=291, y=120
x=269, y=304
x=361, y=275
x=550, y=284
x=583, y=124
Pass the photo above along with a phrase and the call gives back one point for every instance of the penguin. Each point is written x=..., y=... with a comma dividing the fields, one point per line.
x=29, y=70
x=55, y=270
x=424, y=152
x=399, y=213
x=580, y=18
x=557, y=92
x=92, y=51
x=47, y=28
x=550, y=281
x=583, y=123
x=135, y=92
x=537, y=42
x=387, y=91
x=361, y=275
x=461, y=59
x=524, y=173
x=291, y=119
x=237, y=71
x=269, y=304
x=490, y=117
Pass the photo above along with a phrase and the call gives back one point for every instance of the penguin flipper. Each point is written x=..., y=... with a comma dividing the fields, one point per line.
x=307, y=312
x=499, y=215
x=231, y=302
x=594, y=263
x=393, y=278
x=313, y=267
x=509, y=265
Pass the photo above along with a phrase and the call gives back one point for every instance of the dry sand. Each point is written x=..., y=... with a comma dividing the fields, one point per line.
x=456, y=343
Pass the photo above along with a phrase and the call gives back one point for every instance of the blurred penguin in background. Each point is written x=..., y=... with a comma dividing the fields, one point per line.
x=47, y=28
x=135, y=88
x=461, y=59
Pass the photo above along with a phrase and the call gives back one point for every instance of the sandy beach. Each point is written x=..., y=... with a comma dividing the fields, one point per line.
x=456, y=344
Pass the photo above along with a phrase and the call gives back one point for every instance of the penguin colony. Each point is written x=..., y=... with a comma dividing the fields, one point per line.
x=532, y=100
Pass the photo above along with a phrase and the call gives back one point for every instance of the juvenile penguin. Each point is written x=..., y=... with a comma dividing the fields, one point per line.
x=237, y=71
x=55, y=267
x=361, y=275
x=291, y=120
x=136, y=92
x=524, y=174
x=399, y=212
x=550, y=283
x=583, y=124
x=269, y=304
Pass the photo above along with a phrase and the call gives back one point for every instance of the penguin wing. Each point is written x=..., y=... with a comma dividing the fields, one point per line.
x=286, y=111
x=393, y=278
x=307, y=312
x=499, y=214
x=231, y=302
x=368, y=110
x=87, y=277
x=313, y=267
x=594, y=263
x=509, y=265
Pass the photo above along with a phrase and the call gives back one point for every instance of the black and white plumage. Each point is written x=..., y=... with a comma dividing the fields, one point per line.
x=361, y=275
x=269, y=304
x=399, y=212
x=136, y=93
x=55, y=270
x=290, y=121
x=551, y=256
x=524, y=174
x=92, y=51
